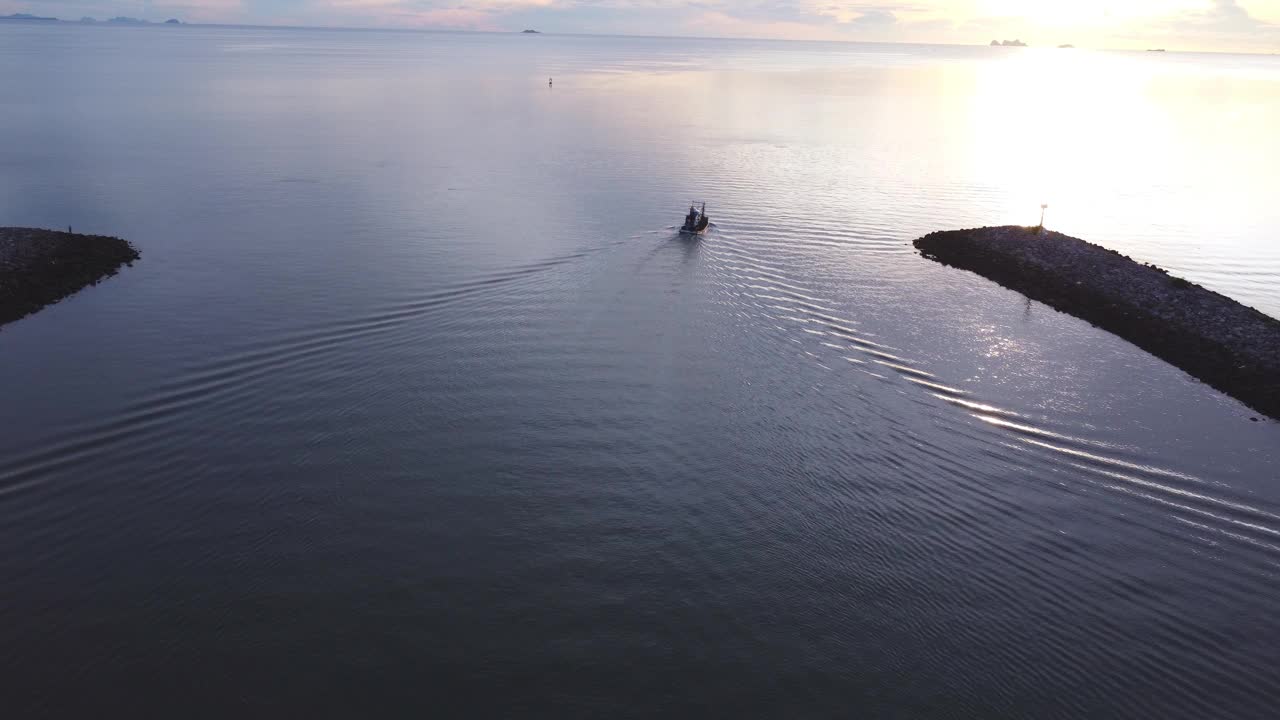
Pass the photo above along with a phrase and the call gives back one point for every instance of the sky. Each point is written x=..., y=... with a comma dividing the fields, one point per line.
x=1221, y=25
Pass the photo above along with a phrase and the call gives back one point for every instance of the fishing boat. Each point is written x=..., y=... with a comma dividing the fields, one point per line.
x=696, y=222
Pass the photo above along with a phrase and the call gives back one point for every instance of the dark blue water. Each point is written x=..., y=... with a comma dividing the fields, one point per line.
x=417, y=405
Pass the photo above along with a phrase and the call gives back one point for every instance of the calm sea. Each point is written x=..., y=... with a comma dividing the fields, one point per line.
x=416, y=405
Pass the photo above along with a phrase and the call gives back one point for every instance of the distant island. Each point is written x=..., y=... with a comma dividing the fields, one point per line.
x=530, y=32
x=1233, y=348
x=1156, y=50
x=1008, y=43
x=40, y=267
x=86, y=19
x=1066, y=47
x=24, y=17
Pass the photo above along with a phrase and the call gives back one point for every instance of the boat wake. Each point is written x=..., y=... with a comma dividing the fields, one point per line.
x=835, y=341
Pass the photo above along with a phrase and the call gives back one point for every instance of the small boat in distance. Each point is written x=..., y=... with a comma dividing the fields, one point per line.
x=696, y=222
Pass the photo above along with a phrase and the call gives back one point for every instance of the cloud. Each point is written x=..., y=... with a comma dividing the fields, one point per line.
x=715, y=23
x=875, y=18
x=868, y=14
x=1220, y=24
x=1226, y=15
x=437, y=14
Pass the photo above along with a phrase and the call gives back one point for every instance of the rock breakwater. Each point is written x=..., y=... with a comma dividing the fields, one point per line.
x=1229, y=346
x=40, y=267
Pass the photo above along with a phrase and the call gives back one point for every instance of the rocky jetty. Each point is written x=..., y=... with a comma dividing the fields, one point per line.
x=40, y=267
x=1233, y=348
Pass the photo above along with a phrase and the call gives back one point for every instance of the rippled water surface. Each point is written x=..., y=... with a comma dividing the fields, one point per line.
x=416, y=402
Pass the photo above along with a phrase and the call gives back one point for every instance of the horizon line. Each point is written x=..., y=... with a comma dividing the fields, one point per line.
x=420, y=30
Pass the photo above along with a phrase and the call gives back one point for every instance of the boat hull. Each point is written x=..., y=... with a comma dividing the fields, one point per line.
x=699, y=229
